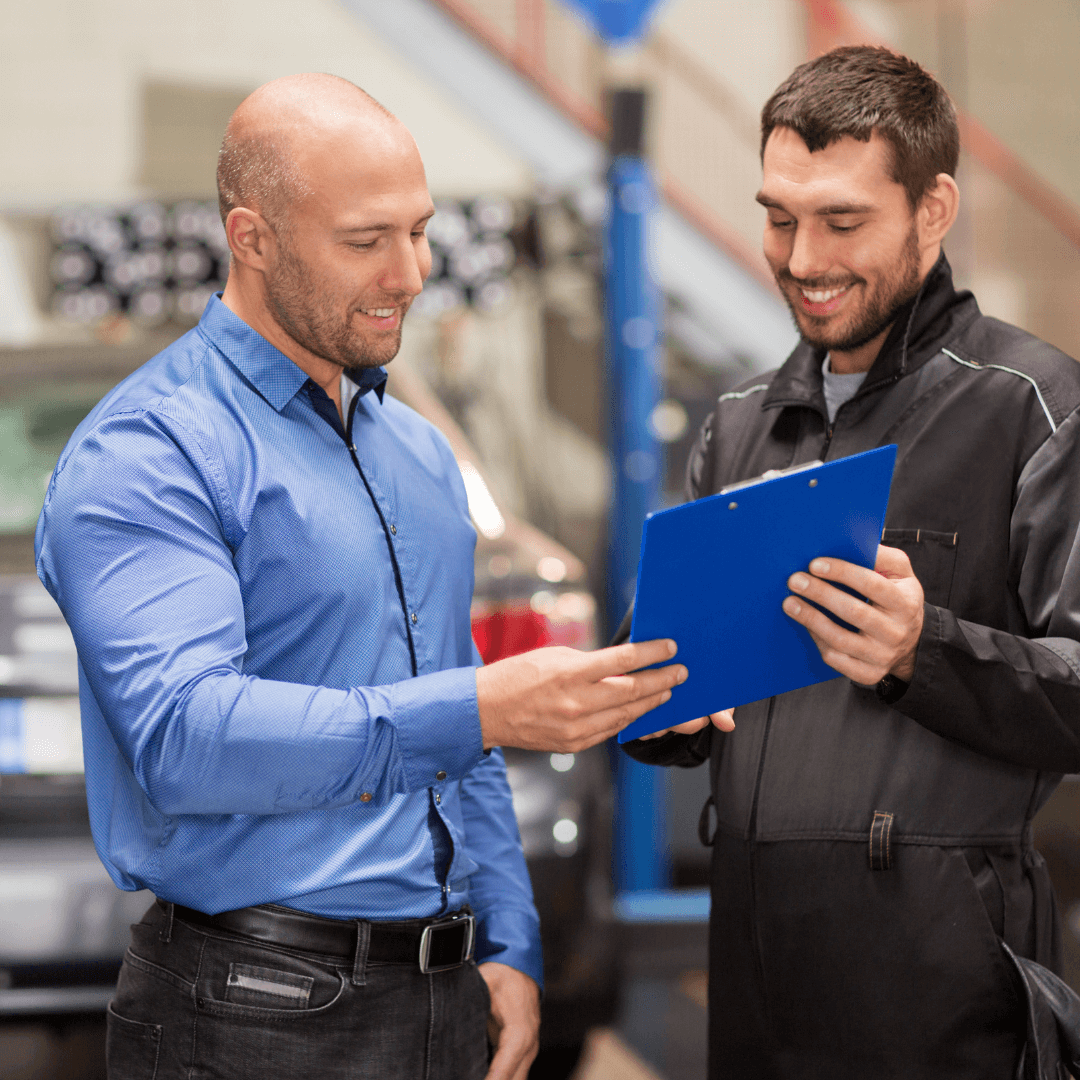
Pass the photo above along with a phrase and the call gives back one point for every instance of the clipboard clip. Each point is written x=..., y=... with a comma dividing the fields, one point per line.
x=770, y=474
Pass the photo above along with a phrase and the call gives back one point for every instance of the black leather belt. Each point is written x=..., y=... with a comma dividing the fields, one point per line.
x=433, y=944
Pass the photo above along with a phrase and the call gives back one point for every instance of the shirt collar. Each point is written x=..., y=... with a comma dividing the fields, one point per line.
x=368, y=378
x=268, y=369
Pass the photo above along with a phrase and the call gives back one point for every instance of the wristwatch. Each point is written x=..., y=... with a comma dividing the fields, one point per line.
x=891, y=689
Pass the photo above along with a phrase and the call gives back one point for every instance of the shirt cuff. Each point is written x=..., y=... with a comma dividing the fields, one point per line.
x=438, y=726
x=512, y=937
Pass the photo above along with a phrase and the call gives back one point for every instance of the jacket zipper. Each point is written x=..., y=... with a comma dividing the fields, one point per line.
x=753, y=844
x=828, y=440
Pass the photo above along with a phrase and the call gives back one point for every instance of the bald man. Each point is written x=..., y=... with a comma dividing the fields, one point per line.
x=267, y=567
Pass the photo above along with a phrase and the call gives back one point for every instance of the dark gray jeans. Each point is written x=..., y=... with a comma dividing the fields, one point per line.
x=195, y=1004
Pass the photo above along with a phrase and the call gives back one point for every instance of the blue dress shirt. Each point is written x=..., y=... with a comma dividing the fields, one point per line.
x=276, y=669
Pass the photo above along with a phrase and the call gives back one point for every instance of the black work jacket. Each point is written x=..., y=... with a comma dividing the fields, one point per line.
x=818, y=789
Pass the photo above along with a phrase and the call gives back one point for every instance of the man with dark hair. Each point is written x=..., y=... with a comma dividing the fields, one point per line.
x=267, y=568
x=871, y=835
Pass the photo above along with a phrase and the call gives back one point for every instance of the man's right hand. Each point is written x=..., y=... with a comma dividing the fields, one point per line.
x=564, y=700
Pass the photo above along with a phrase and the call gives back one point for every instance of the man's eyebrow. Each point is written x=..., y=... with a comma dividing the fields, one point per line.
x=379, y=226
x=839, y=209
x=833, y=210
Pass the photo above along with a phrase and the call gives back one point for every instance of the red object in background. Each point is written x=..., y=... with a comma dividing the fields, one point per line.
x=507, y=628
x=510, y=630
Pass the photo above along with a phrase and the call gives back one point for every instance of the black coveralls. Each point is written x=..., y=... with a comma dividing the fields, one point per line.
x=867, y=855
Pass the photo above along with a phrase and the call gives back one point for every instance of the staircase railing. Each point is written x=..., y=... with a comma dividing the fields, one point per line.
x=706, y=140
x=1018, y=240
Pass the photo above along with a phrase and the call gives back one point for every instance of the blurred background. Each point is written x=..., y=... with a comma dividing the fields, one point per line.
x=111, y=113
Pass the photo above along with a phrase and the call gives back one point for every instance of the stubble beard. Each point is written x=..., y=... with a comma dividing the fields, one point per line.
x=879, y=310
x=306, y=311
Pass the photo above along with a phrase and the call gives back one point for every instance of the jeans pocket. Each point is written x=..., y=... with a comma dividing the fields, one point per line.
x=249, y=984
x=131, y=1048
x=484, y=991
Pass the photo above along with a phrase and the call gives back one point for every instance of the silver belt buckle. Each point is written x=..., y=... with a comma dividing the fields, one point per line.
x=447, y=944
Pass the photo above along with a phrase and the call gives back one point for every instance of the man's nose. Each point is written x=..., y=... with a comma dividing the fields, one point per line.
x=404, y=274
x=809, y=256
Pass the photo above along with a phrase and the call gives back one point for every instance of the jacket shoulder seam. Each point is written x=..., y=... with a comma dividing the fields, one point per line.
x=738, y=395
x=977, y=365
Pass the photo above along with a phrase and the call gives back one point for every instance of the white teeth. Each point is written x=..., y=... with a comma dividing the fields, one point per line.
x=820, y=296
x=380, y=313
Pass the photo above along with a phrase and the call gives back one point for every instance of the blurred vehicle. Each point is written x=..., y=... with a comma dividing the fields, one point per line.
x=529, y=593
x=563, y=804
x=64, y=925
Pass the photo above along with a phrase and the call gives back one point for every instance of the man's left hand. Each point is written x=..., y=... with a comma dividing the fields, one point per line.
x=514, y=1024
x=890, y=620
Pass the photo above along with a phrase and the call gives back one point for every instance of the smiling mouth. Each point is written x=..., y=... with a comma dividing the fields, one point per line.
x=822, y=302
x=822, y=296
x=379, y=313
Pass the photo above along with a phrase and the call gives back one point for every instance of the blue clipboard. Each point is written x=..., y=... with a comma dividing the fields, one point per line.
x=713, y=574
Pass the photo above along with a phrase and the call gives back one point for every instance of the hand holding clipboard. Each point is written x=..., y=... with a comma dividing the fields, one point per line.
x=714, y=575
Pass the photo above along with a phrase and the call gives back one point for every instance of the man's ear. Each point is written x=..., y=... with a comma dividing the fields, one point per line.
x=250, y=237
x=937, y=211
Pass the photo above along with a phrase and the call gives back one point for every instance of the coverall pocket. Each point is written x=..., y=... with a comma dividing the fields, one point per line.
x=933, y=558
x=981, y=919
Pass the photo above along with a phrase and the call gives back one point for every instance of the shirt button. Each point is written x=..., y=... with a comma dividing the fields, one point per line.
x=393, y=530
x=366, y=797
x=415, y=620
x=440, y=775
x=438, y=800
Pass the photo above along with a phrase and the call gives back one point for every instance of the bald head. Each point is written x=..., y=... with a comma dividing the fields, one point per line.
x=265, y=161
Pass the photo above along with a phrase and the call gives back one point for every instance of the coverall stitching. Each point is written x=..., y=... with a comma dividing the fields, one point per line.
x=1068, y=661
x=1012, y=371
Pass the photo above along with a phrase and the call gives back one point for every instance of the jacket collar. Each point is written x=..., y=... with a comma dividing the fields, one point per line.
x=933, y=316
x=268, y=369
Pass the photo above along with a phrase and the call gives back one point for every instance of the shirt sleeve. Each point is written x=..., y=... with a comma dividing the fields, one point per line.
x=508, y=927
x=134, y=544
x=1015, y=696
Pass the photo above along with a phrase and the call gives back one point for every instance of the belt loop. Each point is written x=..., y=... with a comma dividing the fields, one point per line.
x=363, y=944
x=880, y=836
x=166, y=926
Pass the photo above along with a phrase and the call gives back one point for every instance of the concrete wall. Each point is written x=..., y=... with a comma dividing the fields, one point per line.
x=74, y=77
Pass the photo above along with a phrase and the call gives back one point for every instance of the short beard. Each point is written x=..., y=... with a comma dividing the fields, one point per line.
x=303, y=309
x=882, y=306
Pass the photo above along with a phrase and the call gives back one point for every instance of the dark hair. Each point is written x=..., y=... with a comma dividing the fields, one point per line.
x=859, y=89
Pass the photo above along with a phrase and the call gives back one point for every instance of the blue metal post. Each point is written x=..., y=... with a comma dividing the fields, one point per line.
x=634, y=322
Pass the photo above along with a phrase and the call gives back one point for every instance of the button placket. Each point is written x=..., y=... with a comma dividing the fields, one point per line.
x=383, y=507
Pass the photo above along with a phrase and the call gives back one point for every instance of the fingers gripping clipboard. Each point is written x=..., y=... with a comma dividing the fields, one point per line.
x=713, y=574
